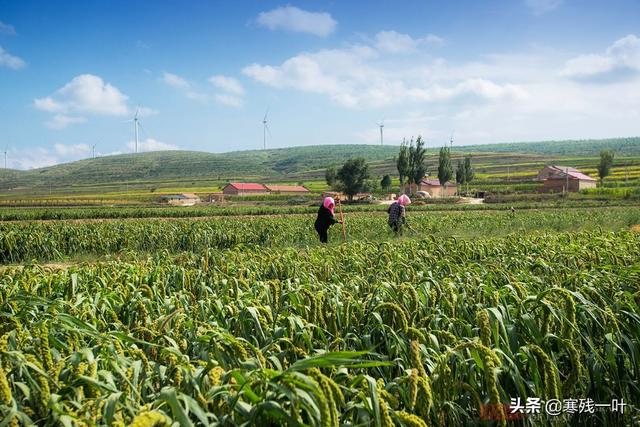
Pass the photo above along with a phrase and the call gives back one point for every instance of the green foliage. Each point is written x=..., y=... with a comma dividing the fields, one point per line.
x=366, y=333
x=445, y=169
x=402, y=163
x=417, y=167
x=606, y=162
x=385, y=183
x=330, y=176
x=469, y=173
x=460, y=172
x=352, y=176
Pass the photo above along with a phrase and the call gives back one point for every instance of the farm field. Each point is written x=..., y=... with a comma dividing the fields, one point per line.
x=247, y=320
x=269, y=208
x=142, y=178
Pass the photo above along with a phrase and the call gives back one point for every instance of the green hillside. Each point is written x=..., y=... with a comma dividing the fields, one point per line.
x=170, y=171
x=582, y=147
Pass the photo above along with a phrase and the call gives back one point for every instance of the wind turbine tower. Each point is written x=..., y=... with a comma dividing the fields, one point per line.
x=5, y=157
x=93, y=151
x=264, y=130
x=135, y=127
x=381, y=125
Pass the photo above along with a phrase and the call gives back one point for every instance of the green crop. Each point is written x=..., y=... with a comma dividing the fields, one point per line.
x=406, y=332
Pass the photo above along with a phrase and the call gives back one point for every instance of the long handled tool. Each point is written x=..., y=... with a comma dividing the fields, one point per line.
x=344, y=226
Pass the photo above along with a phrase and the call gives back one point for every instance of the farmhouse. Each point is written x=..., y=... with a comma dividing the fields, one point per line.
x=549, y=170
x=569, y=181
x=182, y=199
x=286, y=189
x=433, y=187
x=244, y=188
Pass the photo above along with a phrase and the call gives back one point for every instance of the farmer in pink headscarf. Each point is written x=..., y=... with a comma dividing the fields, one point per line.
x=325, y=218
x=397, y=214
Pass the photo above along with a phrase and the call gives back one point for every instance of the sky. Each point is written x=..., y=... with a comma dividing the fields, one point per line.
x=202, y=74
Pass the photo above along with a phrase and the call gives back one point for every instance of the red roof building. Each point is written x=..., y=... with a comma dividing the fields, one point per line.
x=549, y=170
x=244, y=188
x=573, y=181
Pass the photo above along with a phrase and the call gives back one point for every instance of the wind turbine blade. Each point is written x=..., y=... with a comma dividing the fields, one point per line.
x=265, y=115
x=137, y=110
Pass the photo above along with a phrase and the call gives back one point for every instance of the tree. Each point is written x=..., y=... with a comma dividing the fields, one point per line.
x=469, y=173
x=402, y=163
x=445, y=170
x=330, y=176
x=606, y=162
x=385, y=183
x=460, y=173
x=352, y=175
x=417, y=168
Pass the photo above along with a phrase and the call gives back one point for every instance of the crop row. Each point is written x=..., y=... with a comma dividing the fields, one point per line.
x=57, y=240
x=413, y=333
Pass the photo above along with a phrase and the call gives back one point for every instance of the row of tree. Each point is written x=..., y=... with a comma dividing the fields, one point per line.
x=411, y=165
x=353, y=177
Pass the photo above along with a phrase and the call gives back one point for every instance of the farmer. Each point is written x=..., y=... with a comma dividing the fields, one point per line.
x=325, y=218
x=397, y=218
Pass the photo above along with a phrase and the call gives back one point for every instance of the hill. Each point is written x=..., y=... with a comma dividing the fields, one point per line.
x=201, y=171
x=580, y=147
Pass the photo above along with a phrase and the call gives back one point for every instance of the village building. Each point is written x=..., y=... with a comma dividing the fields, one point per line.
x=244, y=189
x=549, y=170
x=182, y=199
x=567, y=181
x=435, y=189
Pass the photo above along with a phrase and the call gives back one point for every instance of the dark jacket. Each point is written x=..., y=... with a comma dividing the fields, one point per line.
x=325, y=219
x=396, y=214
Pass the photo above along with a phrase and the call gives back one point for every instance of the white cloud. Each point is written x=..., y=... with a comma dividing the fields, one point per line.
x=184, y=86
x=290, y=18
x=38, y=157
x=394, y=42
x=175, y=81
x=85, y=93
x=49, y=104
x=150, y=144
x=354, y=77
x=620, y=60
x=72, y=150
x=228, y=100
x=61, y=121
x=7, y=29
x=540, y=7
x=10, y=61
x=227, y=84
x=31, y=158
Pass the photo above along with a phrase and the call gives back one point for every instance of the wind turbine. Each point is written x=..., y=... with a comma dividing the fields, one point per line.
x=93, y=151
x=451, y=141
x=265, y=128
x=381, y=125
x=136, y=123
x=5, y=156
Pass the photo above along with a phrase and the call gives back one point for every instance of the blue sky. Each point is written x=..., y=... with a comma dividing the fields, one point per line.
x=202, y=73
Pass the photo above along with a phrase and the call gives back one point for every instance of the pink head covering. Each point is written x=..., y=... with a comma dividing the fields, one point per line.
x=329, y=203
x=404, y=200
